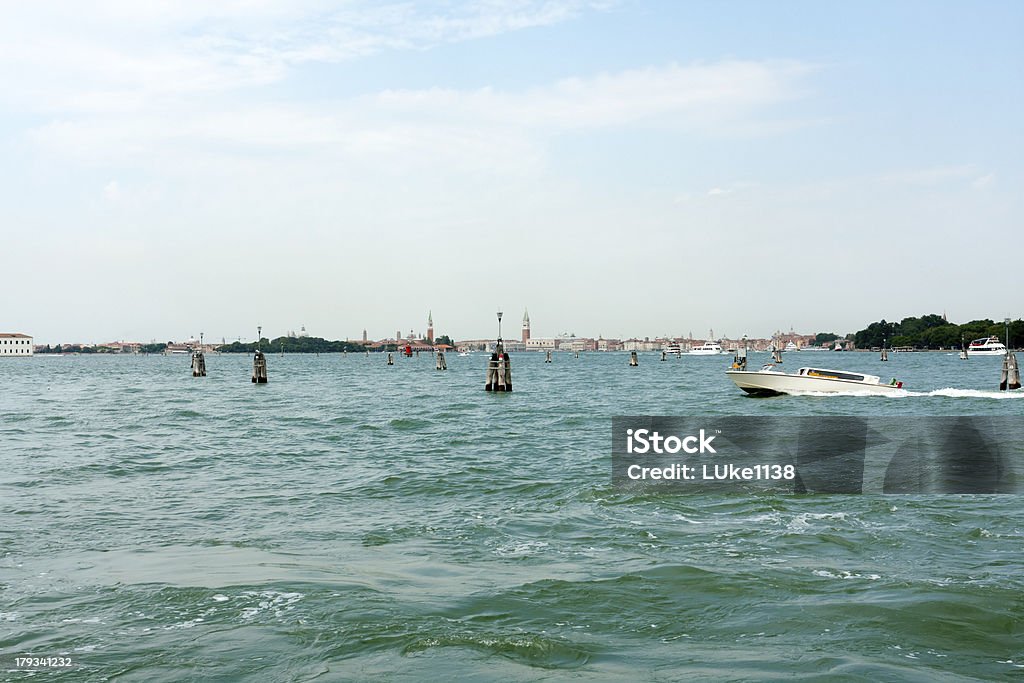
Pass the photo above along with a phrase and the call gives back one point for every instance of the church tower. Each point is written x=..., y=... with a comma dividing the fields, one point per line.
x=526, y=325
x=430, y=327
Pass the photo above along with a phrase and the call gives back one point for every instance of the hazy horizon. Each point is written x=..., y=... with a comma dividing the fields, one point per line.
x=619, y=168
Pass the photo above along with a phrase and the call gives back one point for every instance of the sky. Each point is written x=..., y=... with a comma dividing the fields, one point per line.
x=618, y=167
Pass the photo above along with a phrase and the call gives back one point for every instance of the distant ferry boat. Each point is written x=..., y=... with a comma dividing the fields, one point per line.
x=790, y=346
x=706, y=349
x=990, y=346
x=674, y=349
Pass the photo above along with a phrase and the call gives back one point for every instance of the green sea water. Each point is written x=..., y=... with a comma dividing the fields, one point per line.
x=355, y=521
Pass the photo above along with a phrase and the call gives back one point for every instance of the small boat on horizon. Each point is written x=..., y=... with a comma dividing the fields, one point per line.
x=770, y=382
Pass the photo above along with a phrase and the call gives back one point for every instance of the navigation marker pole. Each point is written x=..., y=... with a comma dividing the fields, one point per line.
x=633, y=360
x=885, y=351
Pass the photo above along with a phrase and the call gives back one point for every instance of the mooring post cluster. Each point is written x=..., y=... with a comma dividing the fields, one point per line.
x=885, y=351
x=198, y=360
x=739, y=361
x=499, y=367
x=1010, y=377
x=633, y=360
x=547, y=358
x=442, y=364
x=259, y=361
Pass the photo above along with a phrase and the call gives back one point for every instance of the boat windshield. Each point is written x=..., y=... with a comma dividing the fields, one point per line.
x=831, y=374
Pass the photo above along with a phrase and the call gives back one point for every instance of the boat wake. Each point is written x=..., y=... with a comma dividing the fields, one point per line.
x=899, y=393
x=950, y=392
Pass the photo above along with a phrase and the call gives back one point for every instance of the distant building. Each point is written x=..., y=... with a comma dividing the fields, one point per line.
x=430, y=327
x=15, y=344
x=526, y=327
x=539, y=344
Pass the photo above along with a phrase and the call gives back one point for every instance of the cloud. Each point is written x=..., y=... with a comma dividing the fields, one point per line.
x=983, y=181
x=112, y=191
x=116, y=55
x=934, y=175
x=467, y=128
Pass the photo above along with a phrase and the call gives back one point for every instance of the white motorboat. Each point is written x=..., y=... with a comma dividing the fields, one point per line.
x=990, y=346
x=770, y=382
x=674, y=349
x=708, y=348
x=790, y=346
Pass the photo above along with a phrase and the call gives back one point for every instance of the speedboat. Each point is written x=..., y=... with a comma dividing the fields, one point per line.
x=706, y=349
x=770, y=382
x=990, y=346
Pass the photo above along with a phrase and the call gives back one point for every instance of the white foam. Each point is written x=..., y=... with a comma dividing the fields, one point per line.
x=898, y=393
x=951, y=392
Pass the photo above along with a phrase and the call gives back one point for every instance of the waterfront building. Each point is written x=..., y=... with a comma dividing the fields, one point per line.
x=16, y=344
x=539, y=344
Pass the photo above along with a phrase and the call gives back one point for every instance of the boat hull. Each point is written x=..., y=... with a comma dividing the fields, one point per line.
x=777, y=383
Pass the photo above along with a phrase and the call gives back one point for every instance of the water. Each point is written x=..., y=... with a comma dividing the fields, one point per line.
x=353, y=521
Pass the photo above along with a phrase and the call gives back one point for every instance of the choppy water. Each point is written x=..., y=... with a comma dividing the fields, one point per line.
x=353, y=521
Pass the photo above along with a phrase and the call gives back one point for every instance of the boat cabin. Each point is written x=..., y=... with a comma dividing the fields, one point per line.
x=837, y=374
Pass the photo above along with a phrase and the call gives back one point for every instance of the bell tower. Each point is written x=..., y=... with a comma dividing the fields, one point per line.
x=526, y=325
x=430, y=327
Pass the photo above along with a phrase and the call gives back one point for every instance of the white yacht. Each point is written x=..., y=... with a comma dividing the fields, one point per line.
x=770, y=382
x=674, y=349
x=990, y=346
x=708, y=348
x=790, y=346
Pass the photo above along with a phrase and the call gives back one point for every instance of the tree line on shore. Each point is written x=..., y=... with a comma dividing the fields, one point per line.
x=934, y=332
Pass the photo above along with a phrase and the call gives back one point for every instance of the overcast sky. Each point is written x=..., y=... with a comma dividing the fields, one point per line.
x=618, y=167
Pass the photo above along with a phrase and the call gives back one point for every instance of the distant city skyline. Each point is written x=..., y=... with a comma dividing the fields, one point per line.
x=620, y=168
x=514, y=333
